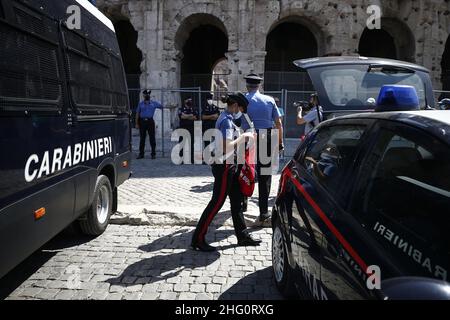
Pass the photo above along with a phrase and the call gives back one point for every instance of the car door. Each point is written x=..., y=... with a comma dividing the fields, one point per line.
x=318, y=190
x=402, y=202
x=304, y=237
x=330, y=165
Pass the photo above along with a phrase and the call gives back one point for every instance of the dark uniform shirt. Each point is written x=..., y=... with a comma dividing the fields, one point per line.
x=184, y=123
x=210, y=110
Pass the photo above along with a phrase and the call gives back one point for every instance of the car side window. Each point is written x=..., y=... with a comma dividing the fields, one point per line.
x=406, y=200
x=330, y=152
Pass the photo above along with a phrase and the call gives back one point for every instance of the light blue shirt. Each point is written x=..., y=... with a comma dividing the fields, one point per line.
x=225, y=125
x=146, y=109
x=262, y=110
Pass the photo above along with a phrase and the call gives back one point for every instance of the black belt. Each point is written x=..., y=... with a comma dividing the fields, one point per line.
x=146, y=119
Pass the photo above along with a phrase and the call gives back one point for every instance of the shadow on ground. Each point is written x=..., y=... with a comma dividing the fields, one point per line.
x=259, y=285
x=208, y=187
x=166, y=266
x=66, y=239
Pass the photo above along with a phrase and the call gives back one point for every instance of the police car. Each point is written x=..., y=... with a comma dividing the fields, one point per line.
x=362, y=211
x=65, y=135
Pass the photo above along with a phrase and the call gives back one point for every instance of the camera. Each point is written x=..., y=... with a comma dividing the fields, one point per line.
x=305, y=105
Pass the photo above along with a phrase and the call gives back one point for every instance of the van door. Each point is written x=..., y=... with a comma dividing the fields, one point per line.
x=32, y=126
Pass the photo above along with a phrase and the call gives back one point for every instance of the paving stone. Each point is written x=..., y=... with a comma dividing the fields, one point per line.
x=204, y=296
x=114, y=296
x=150, y=296
x=168, y=296
x=197, y=288
x=47, y=294
x=213, y=288
x=65, y=295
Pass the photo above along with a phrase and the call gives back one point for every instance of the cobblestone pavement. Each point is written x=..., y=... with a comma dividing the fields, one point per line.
x=161, y=184
x=150, y=262
x=129, y=262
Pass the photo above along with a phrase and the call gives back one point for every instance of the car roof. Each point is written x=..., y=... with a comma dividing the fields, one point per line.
x=355, y=60
x=436, y=122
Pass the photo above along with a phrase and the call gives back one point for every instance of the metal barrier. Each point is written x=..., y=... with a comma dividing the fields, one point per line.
x=172, y=99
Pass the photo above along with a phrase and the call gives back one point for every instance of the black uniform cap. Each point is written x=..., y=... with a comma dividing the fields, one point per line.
x=253, y=78
x=147, y=92
x=239, y=98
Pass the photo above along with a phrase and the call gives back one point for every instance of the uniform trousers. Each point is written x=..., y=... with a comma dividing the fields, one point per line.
x=147, y=126
x=226, y=183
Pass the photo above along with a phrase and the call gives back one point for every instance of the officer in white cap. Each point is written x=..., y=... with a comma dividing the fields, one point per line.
x=265, y=115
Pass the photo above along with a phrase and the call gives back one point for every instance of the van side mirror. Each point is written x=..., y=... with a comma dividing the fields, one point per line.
x=414, y=288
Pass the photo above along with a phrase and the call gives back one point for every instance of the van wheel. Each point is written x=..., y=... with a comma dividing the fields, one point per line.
x=96, y=219
x=281, y=270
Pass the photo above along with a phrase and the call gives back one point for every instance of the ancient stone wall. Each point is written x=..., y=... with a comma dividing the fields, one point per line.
x=419, y=27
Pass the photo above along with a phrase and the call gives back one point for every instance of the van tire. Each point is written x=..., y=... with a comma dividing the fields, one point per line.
x=95, y=221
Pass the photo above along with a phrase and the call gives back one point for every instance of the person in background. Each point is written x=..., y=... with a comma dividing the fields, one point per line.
x=264, y=114
x=210, y=114
x=188, y=115
x=146, y=124
x=313, y=118
x=280, y=108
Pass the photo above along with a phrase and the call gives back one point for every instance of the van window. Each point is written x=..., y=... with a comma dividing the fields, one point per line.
x=120, y=92
x=96, y=76
x=29, y=71
x=330, y=153
x=406, y=202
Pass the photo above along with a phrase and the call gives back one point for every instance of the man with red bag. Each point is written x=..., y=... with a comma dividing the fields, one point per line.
x=226, y=179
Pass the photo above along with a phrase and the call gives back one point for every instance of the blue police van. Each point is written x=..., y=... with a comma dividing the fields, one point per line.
x=362, y=208
x=65, y=134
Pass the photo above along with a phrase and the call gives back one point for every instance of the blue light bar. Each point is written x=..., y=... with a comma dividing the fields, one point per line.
x=397, y=98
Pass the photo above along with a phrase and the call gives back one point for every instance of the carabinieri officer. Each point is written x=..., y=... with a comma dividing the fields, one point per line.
x=145, y=123
x=188, y=115
x=226, y=179
x=210, y=114
x=264, y=113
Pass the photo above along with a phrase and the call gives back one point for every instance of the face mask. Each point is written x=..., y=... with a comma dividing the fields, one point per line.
x=210, y=102
x=237, y=115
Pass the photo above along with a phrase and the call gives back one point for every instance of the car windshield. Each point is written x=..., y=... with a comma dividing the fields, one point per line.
x=351, y=87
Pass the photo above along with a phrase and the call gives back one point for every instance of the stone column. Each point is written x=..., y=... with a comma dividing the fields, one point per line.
x=148, y=20
x=242, y=63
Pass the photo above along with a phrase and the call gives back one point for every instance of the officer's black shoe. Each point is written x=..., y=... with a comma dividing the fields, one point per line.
x=202, y=247
x=153, y=157
x=140, y=157
x=248, y=241
x=265, y=217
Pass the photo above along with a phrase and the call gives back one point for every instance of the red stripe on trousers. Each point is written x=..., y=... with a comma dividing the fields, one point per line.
x=328, y=223
x=212, y=214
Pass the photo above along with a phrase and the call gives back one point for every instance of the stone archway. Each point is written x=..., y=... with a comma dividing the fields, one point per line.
x=201, y=40
x=394, y=40
x=288, y=40
x=127, y=37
